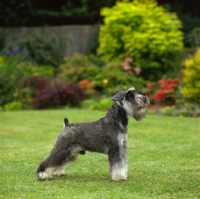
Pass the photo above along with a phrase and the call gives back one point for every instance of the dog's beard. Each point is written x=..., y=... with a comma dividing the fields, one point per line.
x=139, y=113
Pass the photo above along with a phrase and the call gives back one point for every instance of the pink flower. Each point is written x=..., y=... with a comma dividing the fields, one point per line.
x=137, y=70
x=125, y=66
x=150, y=84
x=128, y=59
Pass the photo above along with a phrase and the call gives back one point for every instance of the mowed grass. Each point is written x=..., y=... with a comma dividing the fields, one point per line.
x=163, y=157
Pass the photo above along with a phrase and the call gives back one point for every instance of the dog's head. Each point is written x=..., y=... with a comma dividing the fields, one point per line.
x=134, y=103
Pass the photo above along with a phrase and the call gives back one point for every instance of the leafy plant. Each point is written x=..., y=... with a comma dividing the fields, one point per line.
x=141, y=28
x=12, y=70
x=163, y=92
x=78, y=67
x=50, y=92
x=191, y=80
x=113, y=77
x=166, y=92
x=193, y=38
x=95, y=75
x=13, y=106
x=36, y=49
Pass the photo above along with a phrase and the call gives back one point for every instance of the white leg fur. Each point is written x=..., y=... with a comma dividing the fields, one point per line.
x=119, y=172
x=47, y=174
x=120, y=169
x=60, y=171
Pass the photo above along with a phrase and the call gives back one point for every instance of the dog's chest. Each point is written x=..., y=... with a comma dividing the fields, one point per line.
x=122, y=139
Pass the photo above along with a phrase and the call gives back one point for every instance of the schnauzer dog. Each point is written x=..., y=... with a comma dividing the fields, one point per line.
x=108, y=135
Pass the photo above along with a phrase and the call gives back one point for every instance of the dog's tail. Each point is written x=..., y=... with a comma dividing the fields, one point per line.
x=66, y=122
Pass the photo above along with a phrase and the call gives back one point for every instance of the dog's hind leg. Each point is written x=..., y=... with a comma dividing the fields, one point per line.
x=56, y=162
x=56, y=159
x=74, y=151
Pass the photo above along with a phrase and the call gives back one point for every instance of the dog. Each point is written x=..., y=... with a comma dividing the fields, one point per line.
x=107, y=135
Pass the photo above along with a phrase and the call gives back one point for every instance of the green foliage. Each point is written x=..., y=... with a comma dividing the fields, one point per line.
x=39, y=50
x=103, y=104
x=190, y=111
x=191, y=80
x=113, y=78
x=12, y=71
x=13, y=106
x=15, y=13
x=79, y=67
x=193, y=38
x=141, y=28
x=93, y=73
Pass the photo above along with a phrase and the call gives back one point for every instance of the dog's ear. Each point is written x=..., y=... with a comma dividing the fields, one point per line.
x=119, y=96
x=122, y=95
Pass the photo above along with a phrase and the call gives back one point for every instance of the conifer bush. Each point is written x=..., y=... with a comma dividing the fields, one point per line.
x=141, y=28
x=191, y=78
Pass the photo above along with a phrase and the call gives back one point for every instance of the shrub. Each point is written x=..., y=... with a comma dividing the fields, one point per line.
x=164, y=92
x=38, y=50
x=95, y=75
x=79, y=67
x=13, y=106
x=143, y=29
x=12, y=71
x=113, y=77
x=191, y=80
x=51, y=93
x=102, y=104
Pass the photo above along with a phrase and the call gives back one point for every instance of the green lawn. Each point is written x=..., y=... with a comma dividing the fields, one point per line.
x=163, y=156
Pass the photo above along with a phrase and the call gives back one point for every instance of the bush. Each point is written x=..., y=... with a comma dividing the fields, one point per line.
x=141, y=28
x=163, y=92
x=51, y=93
x=102, y=104
x=95, y=75
x=13, y=106
x=191, y=80
x=38, y=50
x=79, y=67
x=12, y=70
x=113, y=77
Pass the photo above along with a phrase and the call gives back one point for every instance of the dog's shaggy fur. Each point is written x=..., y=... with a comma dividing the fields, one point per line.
x=108, y=135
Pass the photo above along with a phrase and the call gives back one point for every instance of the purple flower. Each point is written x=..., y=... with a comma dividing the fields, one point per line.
x=8, y=52
x=15, y=49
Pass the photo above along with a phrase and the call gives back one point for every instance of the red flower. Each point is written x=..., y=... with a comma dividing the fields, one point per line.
x=159, y=95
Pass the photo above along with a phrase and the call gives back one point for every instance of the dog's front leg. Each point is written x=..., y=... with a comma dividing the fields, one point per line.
x=118, y=164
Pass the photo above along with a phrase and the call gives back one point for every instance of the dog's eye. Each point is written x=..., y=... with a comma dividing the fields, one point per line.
x=130, y=93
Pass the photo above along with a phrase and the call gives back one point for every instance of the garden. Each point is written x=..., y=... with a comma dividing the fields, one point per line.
x=146, y=47
x=146, y=51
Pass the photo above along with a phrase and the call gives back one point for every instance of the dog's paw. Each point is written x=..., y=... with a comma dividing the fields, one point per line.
x=119, y=178
x=45, y=175
x=119, y=174
x=59, y=172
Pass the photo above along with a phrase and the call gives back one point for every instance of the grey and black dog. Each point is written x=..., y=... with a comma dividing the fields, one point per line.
x=107, y=135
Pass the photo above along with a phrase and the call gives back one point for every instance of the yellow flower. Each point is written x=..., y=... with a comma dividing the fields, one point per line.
x=105, y=81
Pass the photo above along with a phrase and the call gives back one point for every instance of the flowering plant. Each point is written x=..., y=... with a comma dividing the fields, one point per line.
x=126, y=65
x=163, y=91
x=166, y=92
